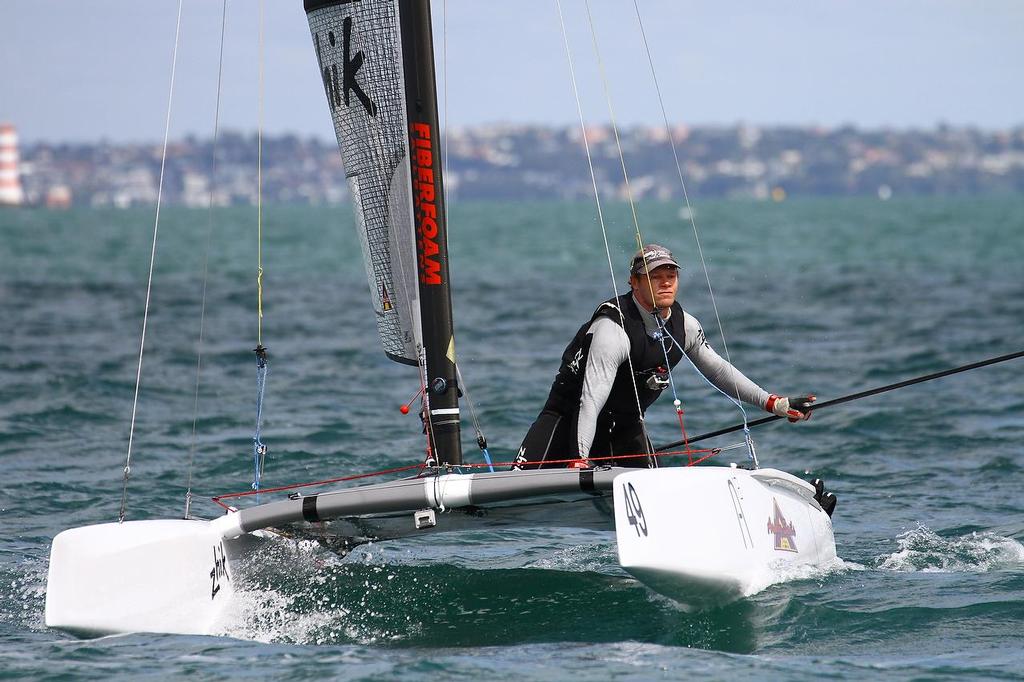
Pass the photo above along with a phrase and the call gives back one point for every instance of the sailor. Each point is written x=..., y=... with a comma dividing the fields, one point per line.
x=618, y=364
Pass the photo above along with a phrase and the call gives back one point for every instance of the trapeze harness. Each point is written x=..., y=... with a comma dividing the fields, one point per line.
x=553, y=435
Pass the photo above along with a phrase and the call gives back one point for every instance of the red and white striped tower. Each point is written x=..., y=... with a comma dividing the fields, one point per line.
x=10, y=180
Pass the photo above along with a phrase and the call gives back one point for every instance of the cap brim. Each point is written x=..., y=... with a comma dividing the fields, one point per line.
x=654, y=265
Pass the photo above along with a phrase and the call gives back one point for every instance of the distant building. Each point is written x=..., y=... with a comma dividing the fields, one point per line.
x=10, y=177
x=516, y=162
x=58, y=196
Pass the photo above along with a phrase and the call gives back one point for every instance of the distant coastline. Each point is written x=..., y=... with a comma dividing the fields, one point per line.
x=516, y=162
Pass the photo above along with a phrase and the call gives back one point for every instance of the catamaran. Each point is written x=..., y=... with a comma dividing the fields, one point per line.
x=757, y=526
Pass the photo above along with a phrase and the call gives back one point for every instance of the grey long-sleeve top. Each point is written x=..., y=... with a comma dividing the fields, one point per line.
x=609, y=348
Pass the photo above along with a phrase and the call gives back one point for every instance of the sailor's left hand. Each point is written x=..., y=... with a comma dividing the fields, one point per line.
x=794, y=409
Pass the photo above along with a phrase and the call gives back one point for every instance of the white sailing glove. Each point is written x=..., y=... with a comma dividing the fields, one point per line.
x=794, y=409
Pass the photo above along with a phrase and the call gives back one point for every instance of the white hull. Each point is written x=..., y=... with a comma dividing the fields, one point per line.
x=705, y=536
x=171, y=576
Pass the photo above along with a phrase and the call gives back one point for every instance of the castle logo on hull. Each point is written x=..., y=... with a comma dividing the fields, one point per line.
x=783, y=530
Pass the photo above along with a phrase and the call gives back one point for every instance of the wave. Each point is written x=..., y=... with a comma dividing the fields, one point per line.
x=23, y=592
x=922, y=549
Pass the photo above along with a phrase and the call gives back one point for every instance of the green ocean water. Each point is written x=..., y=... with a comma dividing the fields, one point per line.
x=827, y=296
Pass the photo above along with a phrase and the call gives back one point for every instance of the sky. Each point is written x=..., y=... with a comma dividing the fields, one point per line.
x=100, y=70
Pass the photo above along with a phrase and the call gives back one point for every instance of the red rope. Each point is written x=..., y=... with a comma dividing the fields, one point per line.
x=682, y=428
x=709, y=453
x=326, y=481
x=610, y=459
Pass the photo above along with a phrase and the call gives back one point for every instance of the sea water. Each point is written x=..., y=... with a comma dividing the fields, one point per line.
x=823, y=296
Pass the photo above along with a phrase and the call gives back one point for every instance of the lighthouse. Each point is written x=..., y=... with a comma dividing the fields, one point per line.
x=10, y=181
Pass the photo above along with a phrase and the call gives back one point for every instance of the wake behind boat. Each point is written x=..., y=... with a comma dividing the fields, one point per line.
x=701, y=535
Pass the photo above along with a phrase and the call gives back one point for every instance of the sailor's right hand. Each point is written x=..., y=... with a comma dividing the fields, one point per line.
x=794, y=409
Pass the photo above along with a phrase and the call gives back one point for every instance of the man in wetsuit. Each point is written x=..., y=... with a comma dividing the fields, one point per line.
x=618, y=364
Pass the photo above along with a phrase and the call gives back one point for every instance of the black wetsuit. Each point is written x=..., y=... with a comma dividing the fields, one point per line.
x=617, y=430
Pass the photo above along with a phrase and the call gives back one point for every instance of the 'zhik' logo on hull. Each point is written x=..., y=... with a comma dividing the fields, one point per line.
x=219, y=570
x=783, y=530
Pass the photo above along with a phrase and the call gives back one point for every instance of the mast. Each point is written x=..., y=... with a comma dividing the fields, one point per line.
x=431, y=224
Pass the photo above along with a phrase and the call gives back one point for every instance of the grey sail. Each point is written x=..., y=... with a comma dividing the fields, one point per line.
x=359, y=51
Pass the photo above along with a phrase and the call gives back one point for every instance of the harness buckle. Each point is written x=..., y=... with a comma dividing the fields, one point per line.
x=658, y=379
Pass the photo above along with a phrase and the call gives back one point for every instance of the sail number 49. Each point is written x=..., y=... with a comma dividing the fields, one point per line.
x=634, y=511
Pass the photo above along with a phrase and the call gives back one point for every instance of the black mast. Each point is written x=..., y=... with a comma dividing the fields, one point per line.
x=431, y=230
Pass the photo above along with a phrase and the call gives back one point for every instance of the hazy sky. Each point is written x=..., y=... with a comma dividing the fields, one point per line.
x=87, y=70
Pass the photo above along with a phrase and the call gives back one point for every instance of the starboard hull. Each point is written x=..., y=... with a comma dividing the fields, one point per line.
x=706, y=536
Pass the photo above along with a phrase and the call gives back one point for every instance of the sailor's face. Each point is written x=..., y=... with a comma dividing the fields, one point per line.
x=659, y=288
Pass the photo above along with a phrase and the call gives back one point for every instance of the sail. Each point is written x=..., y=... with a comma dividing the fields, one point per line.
x=359, y=52
x=376, y=59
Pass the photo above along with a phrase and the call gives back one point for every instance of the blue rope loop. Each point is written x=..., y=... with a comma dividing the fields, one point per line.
x=487, y=458
x=259, y=448
x=482, y=444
